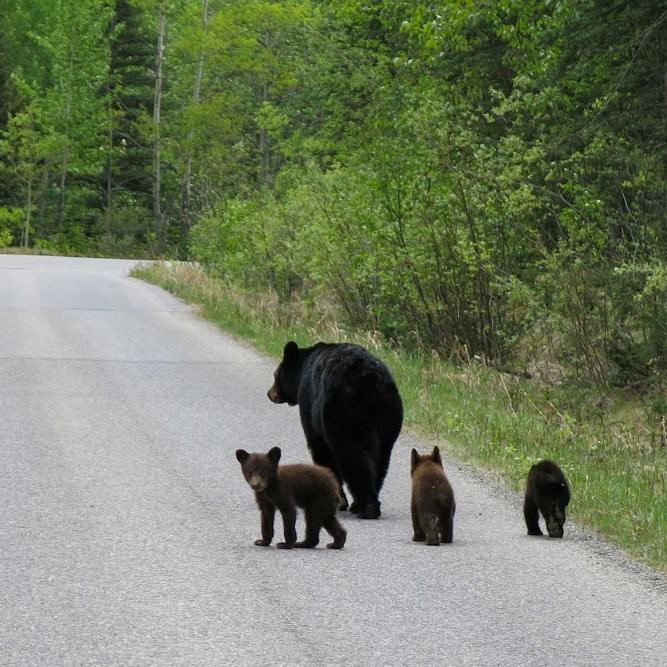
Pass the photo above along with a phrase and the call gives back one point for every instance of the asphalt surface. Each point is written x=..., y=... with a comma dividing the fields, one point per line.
x=126, y=529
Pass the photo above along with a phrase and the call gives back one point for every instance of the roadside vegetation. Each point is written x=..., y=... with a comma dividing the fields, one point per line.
x=610, y=443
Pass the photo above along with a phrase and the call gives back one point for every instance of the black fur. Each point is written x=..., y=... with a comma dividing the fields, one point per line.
x=547, y=492
x=351, y=414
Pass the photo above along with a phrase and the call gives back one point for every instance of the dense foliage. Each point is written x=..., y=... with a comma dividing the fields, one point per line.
x=478, y=178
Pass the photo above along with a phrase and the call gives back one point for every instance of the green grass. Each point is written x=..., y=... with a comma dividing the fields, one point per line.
x=610, y=444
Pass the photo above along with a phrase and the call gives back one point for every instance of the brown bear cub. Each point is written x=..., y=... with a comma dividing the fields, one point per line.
x=546, y=492
x=433, y=503
x=311, y=487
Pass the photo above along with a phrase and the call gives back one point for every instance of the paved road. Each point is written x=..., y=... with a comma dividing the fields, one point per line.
x=126, y=530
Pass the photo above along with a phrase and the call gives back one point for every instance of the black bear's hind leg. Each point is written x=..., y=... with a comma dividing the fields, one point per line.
x=418, y=534
x=333, y=527
x=432, y=528
x=447, y=526
x=359, y=473
x=531, y=514
x=323, y=456
x=313, y=525
x=343, y=505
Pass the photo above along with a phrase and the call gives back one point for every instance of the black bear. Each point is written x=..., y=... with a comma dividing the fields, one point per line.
x=548, y=492
x=351, y=413
x=313, y=488
x=433, y=503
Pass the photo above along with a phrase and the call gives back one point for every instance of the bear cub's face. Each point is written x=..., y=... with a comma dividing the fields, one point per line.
x=259, y=470
x=286, y=377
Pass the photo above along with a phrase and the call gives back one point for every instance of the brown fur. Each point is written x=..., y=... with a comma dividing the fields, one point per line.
x=311, y=487
x=433, y=503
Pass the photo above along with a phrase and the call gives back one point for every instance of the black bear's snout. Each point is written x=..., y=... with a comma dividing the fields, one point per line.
x=273, y=395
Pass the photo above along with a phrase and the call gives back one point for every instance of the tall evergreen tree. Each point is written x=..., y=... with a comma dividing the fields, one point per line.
x=128, y=171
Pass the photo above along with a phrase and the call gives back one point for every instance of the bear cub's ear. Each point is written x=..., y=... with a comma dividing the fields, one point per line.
x=242, y=456
x=414, y=458
x=274, y=454
x=436, y=455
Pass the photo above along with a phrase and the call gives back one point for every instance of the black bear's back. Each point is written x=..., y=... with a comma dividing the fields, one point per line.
x=547, y=471
x=349, y=394
x=546, y=477
x=346, y=373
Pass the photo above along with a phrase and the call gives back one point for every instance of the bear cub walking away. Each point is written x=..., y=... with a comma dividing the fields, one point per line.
x=351, y=414
x=433, y=503
x=547, y=491
x=287, y=487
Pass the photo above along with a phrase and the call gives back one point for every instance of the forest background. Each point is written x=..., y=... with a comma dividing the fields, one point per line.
x=481, y=182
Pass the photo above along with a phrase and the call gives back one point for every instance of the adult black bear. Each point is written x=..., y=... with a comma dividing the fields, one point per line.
x=313, y=488
x=548, y=492
x=351, y=413
x=433, y=504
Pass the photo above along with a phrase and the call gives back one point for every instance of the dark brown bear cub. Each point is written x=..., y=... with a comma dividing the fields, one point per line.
x=433, y=503
x=313, y=488
x=548, y=492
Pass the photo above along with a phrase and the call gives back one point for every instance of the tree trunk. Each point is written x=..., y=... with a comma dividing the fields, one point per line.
x=157, y=175
x=109, y=175
x=186, y=190
x=265, y=144
x=28, y=214
x=65, y=163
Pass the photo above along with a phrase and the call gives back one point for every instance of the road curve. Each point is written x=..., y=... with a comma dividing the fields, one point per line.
x=126, y=529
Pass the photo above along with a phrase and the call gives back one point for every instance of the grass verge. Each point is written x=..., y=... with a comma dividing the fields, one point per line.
x=611, y=444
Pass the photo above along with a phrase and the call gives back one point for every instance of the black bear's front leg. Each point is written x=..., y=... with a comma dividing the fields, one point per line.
x=268, y=513
x=554, y=518
x=289, y=528
x=530, y=513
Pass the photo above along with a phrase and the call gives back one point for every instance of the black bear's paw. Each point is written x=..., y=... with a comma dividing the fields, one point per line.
x=555, y=527
x=433, y=540
x=418, y=537
x=262, y=543
x=343, y=505
x=370, y=511
x=305, y=545
x=535, y=532
x=286, y=545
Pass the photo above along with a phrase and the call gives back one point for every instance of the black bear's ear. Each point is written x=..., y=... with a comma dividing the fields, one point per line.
x=435, y=455
x=290, y=351
x=242, y=455
x=414, y=458
x=274, y=454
